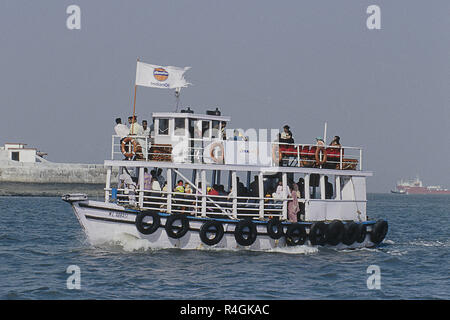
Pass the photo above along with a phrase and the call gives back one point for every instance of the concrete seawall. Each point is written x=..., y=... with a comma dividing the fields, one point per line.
x=11, y=171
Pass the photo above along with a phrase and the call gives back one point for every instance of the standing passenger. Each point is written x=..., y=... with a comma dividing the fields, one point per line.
x=293, y=207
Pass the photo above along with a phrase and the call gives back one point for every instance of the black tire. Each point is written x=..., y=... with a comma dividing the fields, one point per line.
x=350, y=233
x=243, y=237
x=317, y=233
x=334, y=233
x=145, y=227
x=296, y=234
x=211, y=227
x=277, y=225
x=176, y=232
x=362, y=232
x=379, y=231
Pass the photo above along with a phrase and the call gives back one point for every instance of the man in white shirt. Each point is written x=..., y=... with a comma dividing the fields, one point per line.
x=135, y=127
x=128, y=186
x=145, y=128
x=121, y=129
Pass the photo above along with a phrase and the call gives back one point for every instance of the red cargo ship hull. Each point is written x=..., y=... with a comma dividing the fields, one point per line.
x=422, y=190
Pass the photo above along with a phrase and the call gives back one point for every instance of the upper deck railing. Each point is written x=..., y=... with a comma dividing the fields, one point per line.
x=229, y=152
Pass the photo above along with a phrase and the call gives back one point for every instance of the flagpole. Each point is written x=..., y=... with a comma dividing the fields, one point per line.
x=134, y=106
x=177, y=95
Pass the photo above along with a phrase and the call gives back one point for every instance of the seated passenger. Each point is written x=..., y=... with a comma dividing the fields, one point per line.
x=286, y=135
x=179, y=188
x=320, y=142
x=328, y=189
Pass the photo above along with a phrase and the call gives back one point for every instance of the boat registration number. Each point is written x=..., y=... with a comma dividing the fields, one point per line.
x=118, y=214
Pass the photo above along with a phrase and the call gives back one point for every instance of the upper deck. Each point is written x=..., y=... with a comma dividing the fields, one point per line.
x=191, y=140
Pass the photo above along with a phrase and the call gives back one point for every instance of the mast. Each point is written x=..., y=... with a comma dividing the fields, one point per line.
x=134, y=106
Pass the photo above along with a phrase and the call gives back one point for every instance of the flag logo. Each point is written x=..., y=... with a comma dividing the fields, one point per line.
x=160, y=74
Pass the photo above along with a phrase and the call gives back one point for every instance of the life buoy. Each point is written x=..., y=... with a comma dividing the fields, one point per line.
x=276, y=154
x=177, y=232
x=134, y=149
x=214, y=227
x=245, y=232
x=275, y=228
x=334, y=233
x=362, y=232
x=317, y=233
x=379, y=231
x=350, y=233
x=296, y=234
x=145, y=227
x=213, y=146
x=317, y=156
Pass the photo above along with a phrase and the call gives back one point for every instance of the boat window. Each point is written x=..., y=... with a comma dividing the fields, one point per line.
x=163, y=126
x=15, y=156
x=314, y=183
x=215, y=132
x=206, y=129
x=330, y=187
x=180, y=124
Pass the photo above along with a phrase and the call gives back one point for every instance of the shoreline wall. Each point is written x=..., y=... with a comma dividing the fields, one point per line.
x=64, y=173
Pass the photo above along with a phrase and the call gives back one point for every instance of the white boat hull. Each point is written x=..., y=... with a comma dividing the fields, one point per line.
x=107, y=222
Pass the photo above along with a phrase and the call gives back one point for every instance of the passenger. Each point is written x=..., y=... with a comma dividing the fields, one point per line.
x=155, y=185
x=145, y=143
x=334, y=153
x=301, y=187
x=135, y=127
x=121, y=129
x=221, y=190
x=293, y=207
x=286, y=135
x=145, y=129
x=147, y=180
x=179, y=188
x=126, y=182
x=223, y=129
x=320, y=142
x=241, y=190
x=153, y=173
x=254, y=187
x=159, y=176
x=336, y=142
x=213, y=191
x=178, y=196
x=187, y=188
x=238, y=136
x=328, y=189
x=278, y=194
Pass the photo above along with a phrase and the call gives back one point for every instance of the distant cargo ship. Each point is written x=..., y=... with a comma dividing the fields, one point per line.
x=416, y=187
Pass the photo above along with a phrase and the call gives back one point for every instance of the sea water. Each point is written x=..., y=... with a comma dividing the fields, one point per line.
x=41, y=241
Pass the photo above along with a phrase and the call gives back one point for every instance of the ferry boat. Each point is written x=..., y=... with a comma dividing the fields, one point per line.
x=279, y=194
x=415, y=186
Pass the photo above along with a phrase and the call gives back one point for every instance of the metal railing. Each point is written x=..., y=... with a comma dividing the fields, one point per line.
x=200, y=205
x=281, y=154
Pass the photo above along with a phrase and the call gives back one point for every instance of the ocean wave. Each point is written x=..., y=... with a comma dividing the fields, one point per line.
x=130, y=243
x=428, y=243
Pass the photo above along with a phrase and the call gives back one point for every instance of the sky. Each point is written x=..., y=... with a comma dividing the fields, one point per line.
x=263, y=63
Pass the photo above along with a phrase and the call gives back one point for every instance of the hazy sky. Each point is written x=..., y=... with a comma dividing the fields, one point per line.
x=264, y=63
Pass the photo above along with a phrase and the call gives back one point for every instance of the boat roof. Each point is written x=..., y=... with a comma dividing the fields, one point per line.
x=233, y=167
x=199, y=116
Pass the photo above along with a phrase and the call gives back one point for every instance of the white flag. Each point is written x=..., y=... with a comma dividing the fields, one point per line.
x=149, y=75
